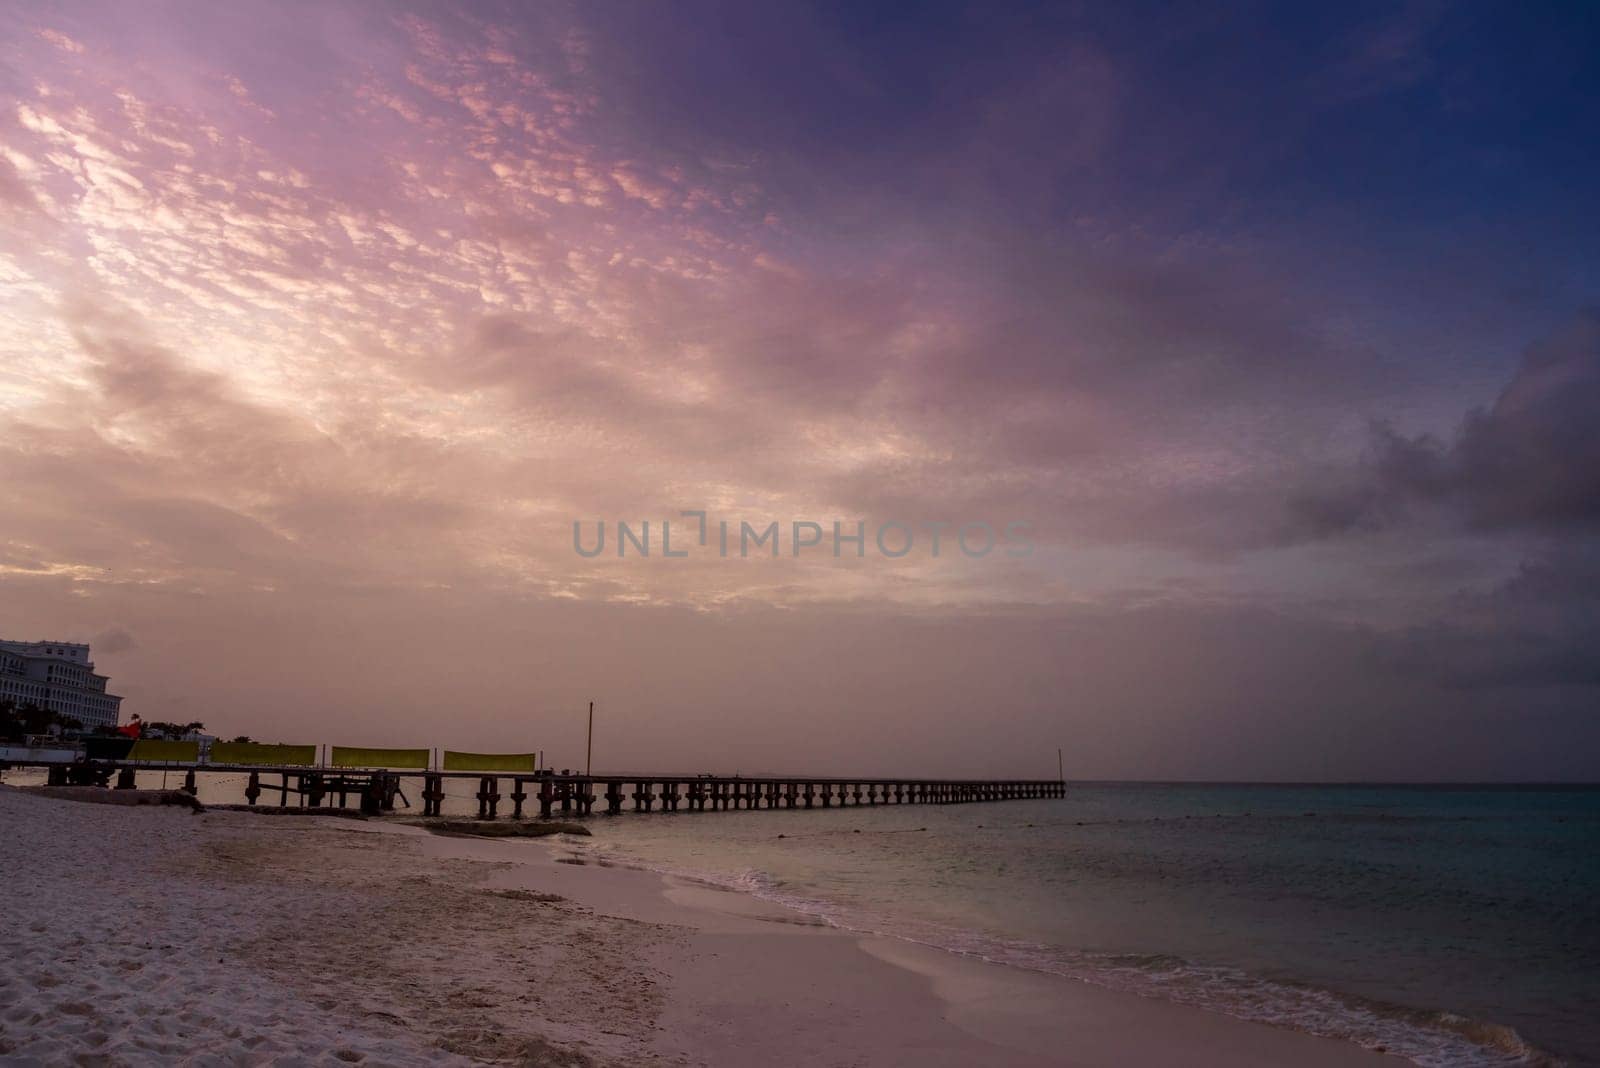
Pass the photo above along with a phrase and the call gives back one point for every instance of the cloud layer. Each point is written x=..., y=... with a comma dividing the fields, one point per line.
x=322, y=319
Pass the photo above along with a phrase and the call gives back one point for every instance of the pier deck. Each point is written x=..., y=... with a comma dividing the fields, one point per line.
x=376, y=789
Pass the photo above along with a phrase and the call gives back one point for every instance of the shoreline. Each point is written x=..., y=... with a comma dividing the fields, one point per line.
x=838, y=989
x=148, y=932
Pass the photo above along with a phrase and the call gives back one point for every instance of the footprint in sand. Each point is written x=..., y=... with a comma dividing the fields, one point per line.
x=93, y=1060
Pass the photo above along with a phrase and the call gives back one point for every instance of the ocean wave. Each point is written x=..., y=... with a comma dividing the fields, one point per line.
x=1435, y=1039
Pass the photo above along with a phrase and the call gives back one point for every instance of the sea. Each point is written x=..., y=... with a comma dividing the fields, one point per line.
x=1454, y=926
x=1451, y=925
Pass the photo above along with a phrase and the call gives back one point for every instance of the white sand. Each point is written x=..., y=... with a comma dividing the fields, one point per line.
x=154, y=936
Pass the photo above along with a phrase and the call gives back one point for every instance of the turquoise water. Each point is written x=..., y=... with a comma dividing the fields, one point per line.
x=1454, y=926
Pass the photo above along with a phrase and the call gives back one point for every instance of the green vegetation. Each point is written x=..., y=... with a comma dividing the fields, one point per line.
x=158, y=729
x=19, y=721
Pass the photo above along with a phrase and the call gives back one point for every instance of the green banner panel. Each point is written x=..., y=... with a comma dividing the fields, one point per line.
x=302, y=756
x=164, y=751
x=454, y=761
x=345, y=756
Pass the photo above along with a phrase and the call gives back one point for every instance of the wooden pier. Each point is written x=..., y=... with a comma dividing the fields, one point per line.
x=376, y=790
x=578, y=795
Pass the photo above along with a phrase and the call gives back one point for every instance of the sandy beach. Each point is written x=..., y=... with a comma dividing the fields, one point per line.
x=145, y=935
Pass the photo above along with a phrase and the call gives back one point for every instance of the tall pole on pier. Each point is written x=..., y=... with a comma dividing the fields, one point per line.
x=588, y=758
x=1061, y=774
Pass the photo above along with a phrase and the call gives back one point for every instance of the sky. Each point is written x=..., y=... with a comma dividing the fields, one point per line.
x=1243, y=360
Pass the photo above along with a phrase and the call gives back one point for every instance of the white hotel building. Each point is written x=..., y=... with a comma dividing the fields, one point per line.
x=58, y=676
